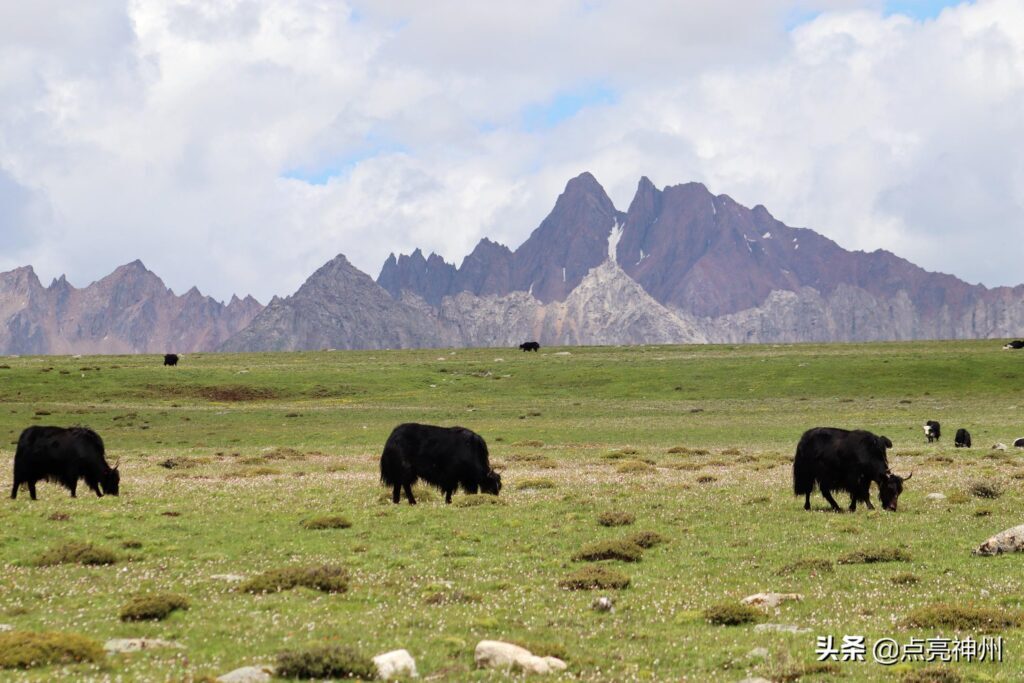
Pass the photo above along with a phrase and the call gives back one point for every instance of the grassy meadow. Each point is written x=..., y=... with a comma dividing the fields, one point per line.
x=225, y=456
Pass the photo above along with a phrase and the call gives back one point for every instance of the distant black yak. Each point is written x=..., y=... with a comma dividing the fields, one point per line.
x=446, y=457
x=1016, y=344
x=171, y=359
x=962, y=438
x=843, y=460
x=530, y=346
x=63, y=456
x=932, y=430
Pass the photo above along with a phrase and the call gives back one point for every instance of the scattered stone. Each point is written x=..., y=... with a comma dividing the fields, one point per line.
x=999, y=447
x=603, y=605
x=770, y=600
x=562, y=353
x=494, y=654
x=936, y=496
x=395, y=664
x=6, y=627
x=228, y=577
x=248, y=674
x=758, y=653
x=780, y=628
x=117, y=645
x=1009, y=541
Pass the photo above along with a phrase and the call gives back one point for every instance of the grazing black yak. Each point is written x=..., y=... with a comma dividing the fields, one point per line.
x=530, y=346
x=843, y=460
x=447, y=457
x=1015, y=344
x=932, y=430
x=171, y=359
x=63, y=456
x=962, y=439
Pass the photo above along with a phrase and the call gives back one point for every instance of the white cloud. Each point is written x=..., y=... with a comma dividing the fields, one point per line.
x=167, y=131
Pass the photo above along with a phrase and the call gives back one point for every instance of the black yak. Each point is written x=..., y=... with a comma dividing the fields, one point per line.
x=843, y=460
x=446, y=457
x=530, y=346
x=171, y=359
x=962, y=439
x=1015, y=344
x=63, y=456
x=932, y=430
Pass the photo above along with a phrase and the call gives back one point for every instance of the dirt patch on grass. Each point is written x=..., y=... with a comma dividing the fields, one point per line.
x=326, y=522
x=226, y=393
x=76, y=553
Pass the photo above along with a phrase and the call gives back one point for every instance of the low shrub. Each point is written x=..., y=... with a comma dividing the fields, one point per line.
x=620, y=549
x=595, y=577
x=811, y=566
x=326, y=578
x=616, y=518
x=706, y=479
x=905, y=579
x=326, y=522
x=478, y=500
x=731, y=614
x=963, y=618
x=153, y=607
x=873, y=556
x=27, y=649
x=683, y=450
x=646, y=539
x=76, y=553
x=985, y=489
x=932, y=674
x=325, y=661
x=635, y=467
x=535, y=483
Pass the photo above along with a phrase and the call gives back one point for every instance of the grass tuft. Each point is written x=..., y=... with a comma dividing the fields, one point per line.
x=620, y=549
x=27, y=649
x=535, y=483
x=646, y=539
x=811, y=566
x=326, y=522
x=325, y=661
x=873, y=556
x=595, y=577
x=932, y=674
x=635, y=467
x=985, y=489
x=963, y=618
x=616, y=518
x=76, y=553
x=472, y=501
x=326, y=578
x=905, y=579
x=153, y=607
x=731, y=614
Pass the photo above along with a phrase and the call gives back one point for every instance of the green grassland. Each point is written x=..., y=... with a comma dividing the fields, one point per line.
x=225, y=457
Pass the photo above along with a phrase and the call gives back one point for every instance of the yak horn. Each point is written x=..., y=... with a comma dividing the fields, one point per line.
x=116, y=463
x=907, y=478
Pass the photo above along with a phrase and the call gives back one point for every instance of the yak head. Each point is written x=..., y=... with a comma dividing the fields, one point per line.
x=491, y=483
x=111, y=480
x=890, y=488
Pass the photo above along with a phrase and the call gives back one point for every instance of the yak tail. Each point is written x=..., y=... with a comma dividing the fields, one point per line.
x=390, y=467
x=803, y=471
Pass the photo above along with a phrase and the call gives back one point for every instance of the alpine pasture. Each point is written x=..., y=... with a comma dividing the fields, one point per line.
x=242, y=464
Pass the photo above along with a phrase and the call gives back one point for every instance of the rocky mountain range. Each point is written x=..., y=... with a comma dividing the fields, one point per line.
x=680, y=265
x=129, y=311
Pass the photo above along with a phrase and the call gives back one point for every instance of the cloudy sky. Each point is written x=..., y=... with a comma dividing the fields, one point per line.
x=239, y=144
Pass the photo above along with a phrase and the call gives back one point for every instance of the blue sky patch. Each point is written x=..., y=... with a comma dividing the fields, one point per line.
x=319, y=174
x=566, y=104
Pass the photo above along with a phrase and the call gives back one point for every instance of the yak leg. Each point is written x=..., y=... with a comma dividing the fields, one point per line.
x=807, y=502
x=14, y=490
x=32, y=490
x=867, y=501
x=74, y=489
x=448, y=497
x=408, y=494
x=396, y=493
x=831, y=500
x=853, y=502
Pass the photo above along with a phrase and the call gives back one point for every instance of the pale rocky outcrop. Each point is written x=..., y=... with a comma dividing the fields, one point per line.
x=248, y=674
x=397, y=663
x=1009, y=541
x=770, y=600
x=123, y=645
x=495, y=654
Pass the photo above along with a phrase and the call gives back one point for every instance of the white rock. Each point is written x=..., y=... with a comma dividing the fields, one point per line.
x=6, y=627
x=136, y=644
x=395, y=663
x=603, y=604
x=562, y=353
x=758, y=653
x=494, y=654
x=999, y=447
x=770, y=600
x=755, y=680
x=248, y=674
x=228, y=577
x=936, y=496
x=1009, y=541
x=780, y=628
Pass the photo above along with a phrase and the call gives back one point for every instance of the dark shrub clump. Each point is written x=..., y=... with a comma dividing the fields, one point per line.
x=621, y=549
x=593, y=577
x=24, y=649
x=646, y=539
x=325, y=661
x=812, y=566
x=326, y=578
x=616, y=518
x=873, y=556
x=152, y=607
x=76, y=553
x=963, y=618
x=731, y=614
x=328, y=522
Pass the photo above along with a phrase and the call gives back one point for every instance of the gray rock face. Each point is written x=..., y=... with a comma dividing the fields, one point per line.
x=248, y=674
x=129, y=311
x=495, y=654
